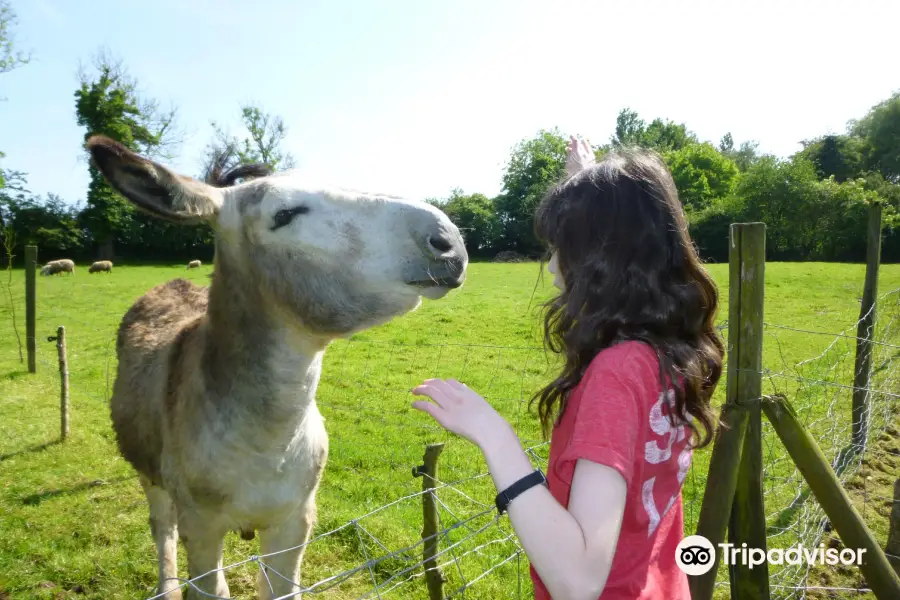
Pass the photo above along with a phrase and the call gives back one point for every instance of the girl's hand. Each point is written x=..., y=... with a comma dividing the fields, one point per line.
x=462, y=411
x=578, y=155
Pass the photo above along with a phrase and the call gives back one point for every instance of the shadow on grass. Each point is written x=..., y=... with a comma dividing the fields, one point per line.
x=14, y=375
x=30, y=449
x=841, y=463
x=35, y=499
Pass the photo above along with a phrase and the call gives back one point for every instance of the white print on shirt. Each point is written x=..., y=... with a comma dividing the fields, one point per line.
x=654, y=455
x=660, y=425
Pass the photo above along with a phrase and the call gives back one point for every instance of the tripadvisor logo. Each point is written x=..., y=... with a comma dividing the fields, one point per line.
x=695, y=555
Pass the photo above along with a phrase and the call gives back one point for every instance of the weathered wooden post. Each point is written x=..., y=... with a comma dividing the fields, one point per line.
x=30, y=268
x=748, y=517
x=743, y=389
x=60, y=339
x=827, y=489
x=428, y=471
x=865, y=330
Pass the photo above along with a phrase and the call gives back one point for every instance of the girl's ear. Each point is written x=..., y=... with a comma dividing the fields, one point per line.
x=151, y=186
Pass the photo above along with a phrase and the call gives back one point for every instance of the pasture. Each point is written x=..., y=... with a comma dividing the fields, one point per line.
x=74, y=518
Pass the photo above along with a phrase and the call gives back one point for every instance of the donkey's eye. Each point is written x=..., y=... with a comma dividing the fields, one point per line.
x=286, y=215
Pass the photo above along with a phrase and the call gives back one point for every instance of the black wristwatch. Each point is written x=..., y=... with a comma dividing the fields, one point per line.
x=526, y=483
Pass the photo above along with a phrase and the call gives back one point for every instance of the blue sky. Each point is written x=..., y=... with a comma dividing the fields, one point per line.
x=416, y=98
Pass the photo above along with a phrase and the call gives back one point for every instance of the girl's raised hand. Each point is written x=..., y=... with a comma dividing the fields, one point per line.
x=460, y=410
x=578, y=155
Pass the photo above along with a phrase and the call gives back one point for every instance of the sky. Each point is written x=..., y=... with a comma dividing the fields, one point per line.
x=417, y=98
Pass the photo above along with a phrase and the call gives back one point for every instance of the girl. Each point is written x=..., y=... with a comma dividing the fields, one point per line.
x=634, y=320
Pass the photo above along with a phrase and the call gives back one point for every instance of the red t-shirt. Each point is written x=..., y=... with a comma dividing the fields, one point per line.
x=618, y=416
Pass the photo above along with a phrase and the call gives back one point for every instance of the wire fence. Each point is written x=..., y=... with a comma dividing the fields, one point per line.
x=820, y=390
x=368, y=542
x=375, y=440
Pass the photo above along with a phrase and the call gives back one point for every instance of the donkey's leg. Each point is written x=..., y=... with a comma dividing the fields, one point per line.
x=287, y=539
x=164, y=527
x=203, y=541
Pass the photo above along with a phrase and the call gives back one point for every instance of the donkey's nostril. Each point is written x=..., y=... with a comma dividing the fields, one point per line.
x=440, y=244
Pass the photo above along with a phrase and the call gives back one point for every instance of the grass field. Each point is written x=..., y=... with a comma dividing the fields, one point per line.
x=74, y=519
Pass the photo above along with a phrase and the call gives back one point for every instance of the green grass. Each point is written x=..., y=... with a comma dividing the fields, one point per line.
x=74, y=519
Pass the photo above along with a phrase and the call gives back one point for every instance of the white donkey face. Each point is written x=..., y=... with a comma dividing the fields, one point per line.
x=389, y=245
x=339, y=260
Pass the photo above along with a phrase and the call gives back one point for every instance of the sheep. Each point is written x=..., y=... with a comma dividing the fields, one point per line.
x=194, y=264
x=55, y=267
x=66, y=265
x=101, y=265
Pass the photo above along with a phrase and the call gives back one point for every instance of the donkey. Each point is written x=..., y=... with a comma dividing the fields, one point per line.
x=214, y=398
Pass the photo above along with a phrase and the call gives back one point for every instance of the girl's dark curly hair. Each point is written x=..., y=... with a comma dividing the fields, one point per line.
x=631, y=272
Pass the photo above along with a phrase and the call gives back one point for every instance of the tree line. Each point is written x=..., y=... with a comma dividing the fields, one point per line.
x=814, y=203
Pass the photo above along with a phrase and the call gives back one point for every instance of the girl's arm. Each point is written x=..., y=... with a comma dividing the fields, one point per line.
x=572, y=550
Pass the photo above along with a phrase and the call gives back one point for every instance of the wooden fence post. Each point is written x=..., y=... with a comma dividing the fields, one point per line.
x=748, y=517
x=827, y=489
x=60, y=339
x=743, y=386
x=865, y=330
x=30, y=267
x=428, y=471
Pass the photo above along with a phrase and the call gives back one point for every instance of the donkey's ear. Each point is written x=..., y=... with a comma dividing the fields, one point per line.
x=151, y=186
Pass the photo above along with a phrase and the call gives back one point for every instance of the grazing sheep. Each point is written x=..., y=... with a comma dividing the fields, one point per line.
x=55, y=267
x=214, y=398
x=101, y=265
x=67, y=265
x=194, y=264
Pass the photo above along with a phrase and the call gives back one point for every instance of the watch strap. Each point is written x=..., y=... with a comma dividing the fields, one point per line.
x=516, y=489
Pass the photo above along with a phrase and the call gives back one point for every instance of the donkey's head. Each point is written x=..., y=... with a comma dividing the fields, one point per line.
x=336, y=260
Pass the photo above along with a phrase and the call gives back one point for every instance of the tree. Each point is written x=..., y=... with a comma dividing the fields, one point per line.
x=838, y=156
x=47, y=222
x=265, y=134
x=10, y=58
x=701, y=173
x=880, y=129
x=109, y=104
x=11, y=188
x=744, y=156
x=665, y=136
x=783, y=194
x=629, y=129
x=727, y=144
x=474, y=215
x=842, y=219
x=16, y=182
x=660, y=135
x=534, y=166
x=710, y=227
